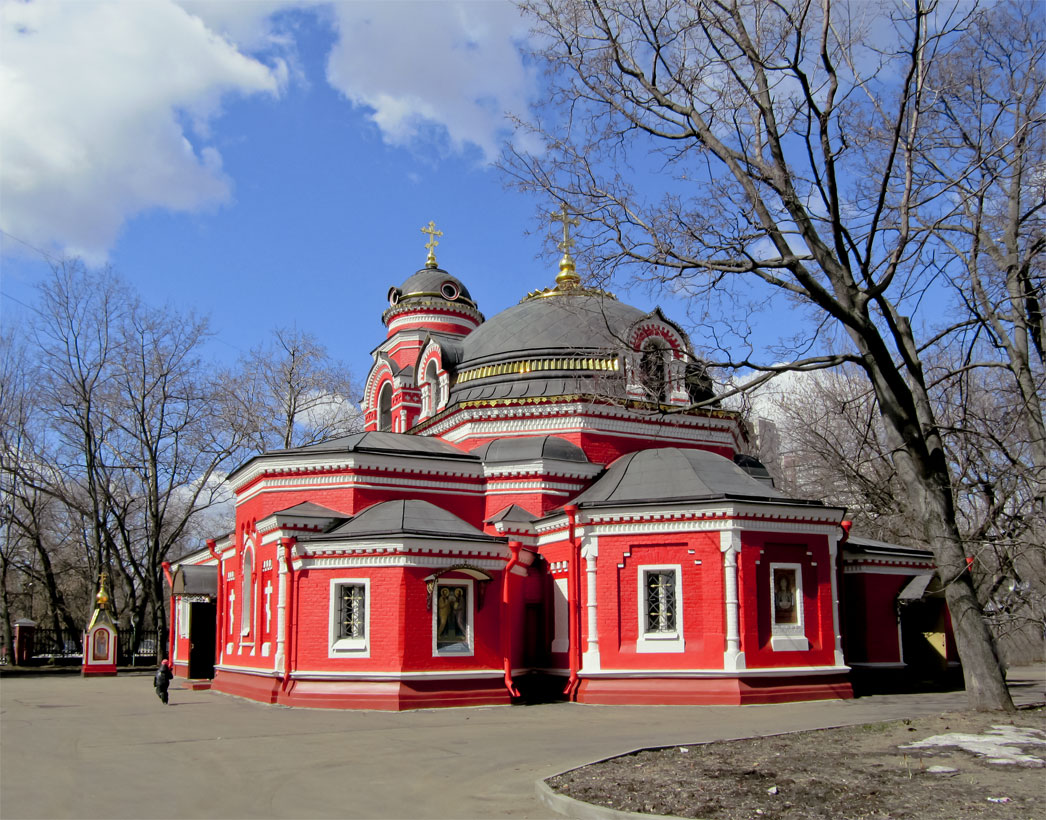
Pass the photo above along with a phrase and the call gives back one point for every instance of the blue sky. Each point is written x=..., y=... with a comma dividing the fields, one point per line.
x=269, y=163
x=266, y=163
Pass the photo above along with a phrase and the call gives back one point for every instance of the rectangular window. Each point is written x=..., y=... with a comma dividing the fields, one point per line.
x=660, y=609
x=787, y=632
x=660, y=602
x=350, y=617
x=452, y=618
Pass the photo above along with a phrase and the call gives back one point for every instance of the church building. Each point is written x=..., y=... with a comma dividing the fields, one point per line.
x=535, y=501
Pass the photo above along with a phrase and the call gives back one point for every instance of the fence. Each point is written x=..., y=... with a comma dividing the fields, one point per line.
x=62, y=648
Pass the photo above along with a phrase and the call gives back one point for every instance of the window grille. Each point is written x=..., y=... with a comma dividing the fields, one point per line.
x=353, y=609
x=660, y=602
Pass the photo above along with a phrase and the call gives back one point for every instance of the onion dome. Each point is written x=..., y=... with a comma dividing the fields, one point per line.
x=431, y=299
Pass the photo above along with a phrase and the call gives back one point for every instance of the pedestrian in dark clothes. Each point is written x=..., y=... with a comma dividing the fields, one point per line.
x=163, y=679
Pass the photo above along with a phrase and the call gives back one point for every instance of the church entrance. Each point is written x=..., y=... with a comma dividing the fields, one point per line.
x=201, y=639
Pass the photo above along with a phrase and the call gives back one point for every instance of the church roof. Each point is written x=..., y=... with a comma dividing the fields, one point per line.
x=375, y=442
x=309, y=510
x=407, y=517
x=429, y=282
x=573, y=320
x=512, y=513
x=529, y=448
x=578, y=325
x=675, y=474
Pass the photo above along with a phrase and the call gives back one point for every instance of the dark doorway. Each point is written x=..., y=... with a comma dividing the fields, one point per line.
x=201, y=640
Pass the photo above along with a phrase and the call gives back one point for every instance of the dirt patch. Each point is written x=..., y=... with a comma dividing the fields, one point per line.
x=854, y=773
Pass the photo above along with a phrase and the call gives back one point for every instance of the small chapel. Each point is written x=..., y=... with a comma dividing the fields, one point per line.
x=549, y=500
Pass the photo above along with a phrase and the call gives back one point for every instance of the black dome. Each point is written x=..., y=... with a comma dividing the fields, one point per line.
x=433, y=283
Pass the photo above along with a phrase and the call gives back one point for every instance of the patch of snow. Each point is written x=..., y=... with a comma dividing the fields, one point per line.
x=1002, y=745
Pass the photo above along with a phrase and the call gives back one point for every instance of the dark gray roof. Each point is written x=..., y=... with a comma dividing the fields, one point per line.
x=309, y=510
x=402, y=444
x=407, y=517
x=575, y=321
x=529, y=448
x=674, y=474
x=195, y=580
x=374, y=442
x=513, y=513
x=429, y=282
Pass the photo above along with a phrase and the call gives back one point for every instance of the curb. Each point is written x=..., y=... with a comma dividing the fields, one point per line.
x=579, y=810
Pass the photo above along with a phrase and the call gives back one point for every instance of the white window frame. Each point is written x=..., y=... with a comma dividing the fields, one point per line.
x=788, y=637
x=470, y=611
x=183, y=618
x=659, y=641
x=560, y=615
x=247, y=596
x=339, y=647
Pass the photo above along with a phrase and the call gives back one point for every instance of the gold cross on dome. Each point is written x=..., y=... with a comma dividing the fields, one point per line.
x=563, y=216
x=432, y=243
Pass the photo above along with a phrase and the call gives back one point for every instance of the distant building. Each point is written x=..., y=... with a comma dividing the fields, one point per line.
x=534, y=499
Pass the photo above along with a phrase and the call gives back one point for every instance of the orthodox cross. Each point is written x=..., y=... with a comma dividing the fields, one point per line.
x=432, y=243
x=268, y=610
x=232, y=616
x=563, y=216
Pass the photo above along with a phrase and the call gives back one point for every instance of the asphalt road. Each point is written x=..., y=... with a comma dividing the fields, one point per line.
x=107, y=748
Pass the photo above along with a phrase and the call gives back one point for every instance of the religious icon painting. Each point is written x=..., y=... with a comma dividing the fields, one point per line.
x=785, y=609
x=100, y=645
x=453, y=616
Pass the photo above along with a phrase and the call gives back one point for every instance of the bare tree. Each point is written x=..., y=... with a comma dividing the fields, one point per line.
x=790, y=153
x=291, y=393
x=988, y=150
x=130, y=453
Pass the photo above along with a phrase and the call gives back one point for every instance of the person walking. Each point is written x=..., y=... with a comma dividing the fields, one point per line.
x=162, y=681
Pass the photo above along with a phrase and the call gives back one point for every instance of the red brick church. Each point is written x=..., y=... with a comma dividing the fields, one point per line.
x=534, y=499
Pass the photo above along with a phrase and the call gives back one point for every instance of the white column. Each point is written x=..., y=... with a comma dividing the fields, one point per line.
x=730, y=546
x=281, y=608
x=590, y=551
x=833, y=551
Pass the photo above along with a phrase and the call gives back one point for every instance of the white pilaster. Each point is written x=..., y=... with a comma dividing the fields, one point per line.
x=833, y=551
x=590, y=551
x=730, y=546
x=281, y=609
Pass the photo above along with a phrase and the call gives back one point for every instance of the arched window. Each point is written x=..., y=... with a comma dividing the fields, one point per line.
x=432, y=387
x=385, y=408
x=653, y=369
x=246, y=608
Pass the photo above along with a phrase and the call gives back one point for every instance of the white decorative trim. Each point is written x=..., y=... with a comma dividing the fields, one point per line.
x=426, y=561
x=762, y=672
x=348, y=647
x=893, y=570
x=660, y=642
x=579, y=416
x=730, y=547
x=469, y=648
x=788, y=637
x=466, y=674
x=560, y=611
x=590, y=552
x=246, y=670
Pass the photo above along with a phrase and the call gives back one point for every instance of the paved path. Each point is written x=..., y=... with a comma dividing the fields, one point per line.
x=107, y=748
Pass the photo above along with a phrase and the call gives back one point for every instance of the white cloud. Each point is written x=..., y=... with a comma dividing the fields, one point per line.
x=416, y=65
x=103, y=114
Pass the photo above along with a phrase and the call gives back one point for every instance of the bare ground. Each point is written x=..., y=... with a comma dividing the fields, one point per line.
x=853, y=773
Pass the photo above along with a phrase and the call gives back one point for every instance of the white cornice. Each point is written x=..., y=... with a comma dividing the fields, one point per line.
x=579, y=417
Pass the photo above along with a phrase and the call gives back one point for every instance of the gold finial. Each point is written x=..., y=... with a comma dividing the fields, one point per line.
x=102, y=598
x=567, y=277
x=432, y=243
